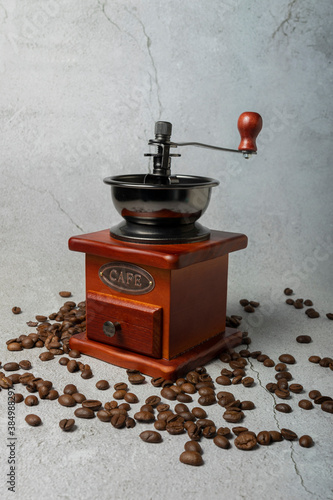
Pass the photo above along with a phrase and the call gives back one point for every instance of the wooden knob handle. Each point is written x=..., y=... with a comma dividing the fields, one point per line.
x=249, y=125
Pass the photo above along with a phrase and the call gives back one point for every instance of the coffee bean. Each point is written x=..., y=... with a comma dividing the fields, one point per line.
x=314, y=394
x=188, y=388
x=18, y=398
x=33, y=420
x=5, y=382
x=31, y=400
x=237, y=372
x=79, y=398
x=192, y=377
x=304, y=339
x=46, y=356
x=120, y=386
x=157, y=382
x=288, y=291
x=275, y=436
x=65, y=294
x=144, y=416
x=72, y=366
x=67, y=424
x=247, y=381
x=321, y=399
x=298, y=304
x=184, y=398
x=118, y=420
x=66, y=400
x=14, y=346
x=130, y=423
x=63, y=361
x=290, y=302
x=74, y=353
x=311, y=313
x=199, y=412
x=28, y=343
x=14, y=377
x=175, y=427
x=325, y=362
x=223, y=431
x=70, y=389
x=163, y=415
x=162, y=407
x=154, y=401
x=329, y=315
x=237, y=380
x=282, y=393
x=193, y=446
x=262, y=357
x=136, y=378
x=147, y=408
x=305, y=404
x=40, y=318
x=327, y=406
x=191, y=458
x=306, y=441
x=244, y=302
x=32, y=324
x=254, y=304
x=86, y=373
x=223, y=380
x=16, y=310
x=204, y=422
x=239, y=429
x=249, y=309
x=280, y=367
x=168, y=393
x=84, y=413
x=207, y=400
x=245, y=441
x=92, y=404
x=283, y=375
x=264, y=438
x=283, y=407
x=160, y=425
x=102, y=385
x=287, y=358
x=25, y=364
x=151, y=437
x=308, y=302
x=52, y=395
x=269, y=363
x=283, y=384
x=131, y=398
x=11, y=367
x=314, y=359
x=247, y=405
x=296, y=388
x=233, y=416
x=288, y=434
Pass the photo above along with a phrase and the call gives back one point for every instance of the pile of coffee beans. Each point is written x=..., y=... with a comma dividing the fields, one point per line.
x=300, y=303
x=169, y=411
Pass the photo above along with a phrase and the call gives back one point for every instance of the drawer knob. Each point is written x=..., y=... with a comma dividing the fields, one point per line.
x=110, y=329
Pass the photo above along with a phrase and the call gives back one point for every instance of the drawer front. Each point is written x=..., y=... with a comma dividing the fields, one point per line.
x=124, y=323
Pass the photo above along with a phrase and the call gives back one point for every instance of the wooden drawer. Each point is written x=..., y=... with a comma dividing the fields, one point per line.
x=138, y=325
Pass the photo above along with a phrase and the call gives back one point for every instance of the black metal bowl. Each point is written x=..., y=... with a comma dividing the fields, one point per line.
x=160, y=212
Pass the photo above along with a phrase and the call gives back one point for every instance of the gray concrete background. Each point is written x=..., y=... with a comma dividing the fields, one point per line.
x=82, y=83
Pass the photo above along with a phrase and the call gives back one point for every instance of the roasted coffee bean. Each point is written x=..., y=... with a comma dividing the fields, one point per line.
x=33, y=420
x=209, y=432
x=65, y=294
x=285, y=375
x=66, y=400
x=245, y=441
x=207, y=400
x=275, y=436
x=92, y=404
x=52, y=395
x=288, y=434
x=280, y=367
x=188, y=388
x=25, y=364
x=79, y=398
x=67, y=424
x=225, y=357
x=233, y=416
x=117, y=411
x=174, y=428
x=131, y=398
x=312, y=313
x=223, y=431
x=28, y=343
x=136, y=378
x=41, y=318
x=14, y=377
x=151, y=436
x=86, y=373
x=199, y=412
x=290, y=302
x=287, y=358
x=283, y=407
x=163, y=415
x=111, y=405
x=269, y=363
x=74, y=353
x=247, y=405
x=262, y=357
x=249, y=309
x=63, y=361
x=84, y=413
x=43, y=391
x=203, y=391
x=18, y=398
x=282, y=393
x=237, y=372
x=329, y=315
x=193, y=446
x=46, y=356
x=296, y=388
x=5, y=382
x=153, y=401
x=144, y=416
x=184, y=398
x=305, y=404
x=247, y=381
x=226, y=372
x=130, y=423
x=245, y=353
x=327, y=406
x=162, y=407
x=160, y=425
x=16, y=310
x=254, y=304
x=180, y=381
x=306, y=441
x=168, y=393
x=237, y=430
x=118, y=420
x=157, y=382
x=194, y=432
x=238, y=363
x=147, y=408
x=321, y=399
x=192, y=377
x=72, y=366
x=221, y=442
x=125, y=406
x=14, y=346
x=264, y=438
x=102, y=385
x=120, y=386
x=298, y=304
x=288, y=291
x=187, y=416
x=237, y=380
x=223, y=380
x=304, y=339
x=31, y=400
x=283, y=384
x=180, y=408
x=201, y=385
x=70, y=389
x=314, y=394
x=244, y=302
x=234, y=405
x=225, y=399
x=308, y=302
x=204, y=422
x=191, y=458
x=11, y=367
x=176, y=389
x=325, y=362
x=314, y=359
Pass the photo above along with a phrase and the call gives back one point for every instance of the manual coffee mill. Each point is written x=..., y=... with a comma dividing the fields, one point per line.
x=156, y=284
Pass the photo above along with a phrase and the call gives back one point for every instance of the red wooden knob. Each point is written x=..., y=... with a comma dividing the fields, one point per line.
x=249, y=125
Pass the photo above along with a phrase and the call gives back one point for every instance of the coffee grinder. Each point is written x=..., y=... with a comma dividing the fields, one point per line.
x=156, y=283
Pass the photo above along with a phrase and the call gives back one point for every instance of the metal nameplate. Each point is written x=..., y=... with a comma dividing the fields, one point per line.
x=125, y=277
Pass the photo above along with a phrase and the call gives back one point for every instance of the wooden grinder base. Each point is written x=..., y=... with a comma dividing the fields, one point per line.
x=168, y=369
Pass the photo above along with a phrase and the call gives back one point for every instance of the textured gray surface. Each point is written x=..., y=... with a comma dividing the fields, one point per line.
x=82, y=84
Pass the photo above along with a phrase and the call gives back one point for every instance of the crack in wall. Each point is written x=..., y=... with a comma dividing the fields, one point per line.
x=292, y=450
x=103, y=6
x=286, y=20
x=46, y=191
x=155, y=78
